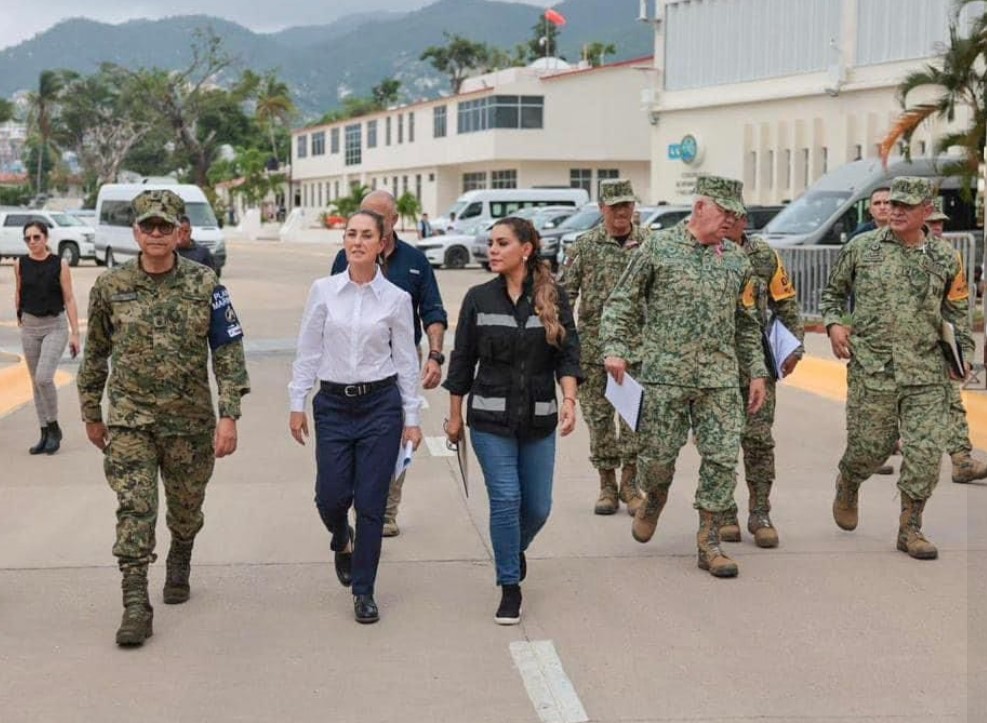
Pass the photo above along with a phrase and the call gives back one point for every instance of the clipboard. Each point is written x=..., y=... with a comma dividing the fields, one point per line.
x=951, y=349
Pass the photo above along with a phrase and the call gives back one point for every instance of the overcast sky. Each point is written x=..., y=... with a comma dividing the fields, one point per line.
x=21, y=19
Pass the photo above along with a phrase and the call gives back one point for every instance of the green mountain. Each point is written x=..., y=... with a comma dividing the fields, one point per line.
x=322, y=64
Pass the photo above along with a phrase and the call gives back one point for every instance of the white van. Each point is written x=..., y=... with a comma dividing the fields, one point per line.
x=476, y=208
x=115, y=220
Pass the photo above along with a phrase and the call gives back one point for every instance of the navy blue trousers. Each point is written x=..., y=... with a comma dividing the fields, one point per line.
x=357, y=441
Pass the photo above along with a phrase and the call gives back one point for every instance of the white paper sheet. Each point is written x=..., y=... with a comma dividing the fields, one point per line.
x=404, y=458
x=626, y=398
x=783, y=343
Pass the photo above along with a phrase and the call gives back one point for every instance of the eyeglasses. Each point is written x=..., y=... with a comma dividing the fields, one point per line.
x=151, y=225
x=34, y=237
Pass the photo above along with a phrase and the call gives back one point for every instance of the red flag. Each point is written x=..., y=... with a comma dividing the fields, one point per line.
x=555, y=18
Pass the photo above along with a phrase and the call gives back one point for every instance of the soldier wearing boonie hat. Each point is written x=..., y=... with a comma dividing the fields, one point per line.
x=161, y=418
x=592, y=266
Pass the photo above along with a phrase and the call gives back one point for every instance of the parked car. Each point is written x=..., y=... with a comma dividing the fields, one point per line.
x=543, y=218
x=68, y=237
x=584, y=219
x=759, y=216
x=451, y=251
x=476, y=207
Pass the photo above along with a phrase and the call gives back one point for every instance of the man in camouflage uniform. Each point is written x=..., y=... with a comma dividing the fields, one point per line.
x=701, y=328
x=776, y=300
x=905, y=284
x=591, y=270
x=966, y=468
x=157, y=318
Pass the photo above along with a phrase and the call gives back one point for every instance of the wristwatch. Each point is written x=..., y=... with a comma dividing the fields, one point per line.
x=437, y=357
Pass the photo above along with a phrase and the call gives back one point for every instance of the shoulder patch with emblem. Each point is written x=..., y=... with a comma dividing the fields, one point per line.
x=224, y=326
x=781, y=286
x=959, y=289
x=749, y=296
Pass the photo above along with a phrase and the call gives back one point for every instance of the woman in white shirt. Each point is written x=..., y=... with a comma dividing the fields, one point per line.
x=357, y=341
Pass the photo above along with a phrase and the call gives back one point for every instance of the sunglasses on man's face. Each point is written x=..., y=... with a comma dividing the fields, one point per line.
x=33, y=237
x=153, y=224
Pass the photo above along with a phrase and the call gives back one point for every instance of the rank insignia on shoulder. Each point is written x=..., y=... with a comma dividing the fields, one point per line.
x=224, y=326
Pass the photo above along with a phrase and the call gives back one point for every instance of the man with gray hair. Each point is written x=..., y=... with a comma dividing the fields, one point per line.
x=407, y=268
x=908, y=288
x=702, y=329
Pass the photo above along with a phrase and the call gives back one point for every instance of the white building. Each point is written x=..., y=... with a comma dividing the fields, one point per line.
x=544, y=125
x=777, y=92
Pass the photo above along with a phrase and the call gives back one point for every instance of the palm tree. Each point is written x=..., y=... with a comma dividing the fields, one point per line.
x=959, y=77
x=43, y=110
x=274, y=107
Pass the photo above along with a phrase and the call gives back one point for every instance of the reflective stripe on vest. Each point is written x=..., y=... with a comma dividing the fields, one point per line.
x=489, y=404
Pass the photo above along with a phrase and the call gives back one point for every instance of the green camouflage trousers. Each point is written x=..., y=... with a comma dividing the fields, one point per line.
x=878, y=412
x=959, y=430
x=716, y=416
x=132, y=461
x=610, y=445
x=757, y=440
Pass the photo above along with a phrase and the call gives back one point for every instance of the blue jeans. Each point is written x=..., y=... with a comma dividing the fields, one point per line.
x=518, y=475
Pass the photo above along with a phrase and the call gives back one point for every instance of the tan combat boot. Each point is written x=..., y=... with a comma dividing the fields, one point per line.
x=729, y=527
x=845, y=504
x=711, y=557
x=137, y=624
x=966, y=468
x=910, y=537
x=607, y=503
x=646, y=517
x=177, y=569
x=629, y=494
x=759, y=520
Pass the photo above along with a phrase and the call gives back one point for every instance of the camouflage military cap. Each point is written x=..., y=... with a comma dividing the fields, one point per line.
x=937, y=214
x=616, y=190
x=726, y=193
x=911, y=190
x=164, y=204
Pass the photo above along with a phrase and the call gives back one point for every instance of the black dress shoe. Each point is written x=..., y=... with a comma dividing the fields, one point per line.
x=344, y=563
x=365, y=609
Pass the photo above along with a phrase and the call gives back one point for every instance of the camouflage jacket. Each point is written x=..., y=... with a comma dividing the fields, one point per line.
x=901, y=296
x=156, y=332
x=591, y=270
x=701, y=325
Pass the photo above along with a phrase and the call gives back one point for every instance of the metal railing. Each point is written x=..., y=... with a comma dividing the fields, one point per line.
x=809, y=268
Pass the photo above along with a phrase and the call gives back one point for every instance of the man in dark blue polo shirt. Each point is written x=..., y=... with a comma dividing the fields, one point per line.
x=407, y=268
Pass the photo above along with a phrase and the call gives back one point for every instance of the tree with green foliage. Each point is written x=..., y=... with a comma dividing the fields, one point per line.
x=959, y=78
x=43, y=114
x=595, y=52
x=457, y=58
x=408, y=207
x=348, y=205
x=274, y=110
x=249, y=168
x=385, y=93
x=6, y=110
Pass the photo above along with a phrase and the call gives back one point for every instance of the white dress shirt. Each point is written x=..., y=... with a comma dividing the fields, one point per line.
x=353, y=333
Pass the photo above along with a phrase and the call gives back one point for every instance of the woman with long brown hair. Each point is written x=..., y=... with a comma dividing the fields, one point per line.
x=44, y=302
x=515, y=338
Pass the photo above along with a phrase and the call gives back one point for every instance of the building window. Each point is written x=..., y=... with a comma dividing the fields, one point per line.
x=371, y=134
x=787, y=180
x=858, y=152
x=605, y=174
x=752, y=171
x=335, y=187
x=394, y=185
x=825, y=158
x=387, y=131
x=418, y=187
x=769, y=167
x=474, y=181
x=404, y=185
x=439, y=121
x=334, y=140
x=400, y=127
x=411, y=128
x=805, y=169
x=431, y=178
x=503, y=179
x=319, y=143
x=318, y=188
x=581, y=178
x=373, y=183
x=353, y=148
x=501, y=111
x=301, y=149
x=921, y=148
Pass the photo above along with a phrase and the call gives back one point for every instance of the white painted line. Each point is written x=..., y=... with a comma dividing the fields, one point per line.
x=437, y=447
x=549, y=688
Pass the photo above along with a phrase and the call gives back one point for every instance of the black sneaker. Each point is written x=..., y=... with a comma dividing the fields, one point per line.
x=524, y=567
x=509, y=612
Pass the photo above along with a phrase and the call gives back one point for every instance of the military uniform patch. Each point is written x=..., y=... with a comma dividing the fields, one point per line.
x=781, y=286
x=224, y=326
x=749, y=296
x=959, y=289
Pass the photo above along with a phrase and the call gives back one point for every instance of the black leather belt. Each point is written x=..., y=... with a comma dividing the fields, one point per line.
x=357, y=390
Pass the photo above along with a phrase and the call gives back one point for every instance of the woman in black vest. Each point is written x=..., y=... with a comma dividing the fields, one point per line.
x=44, y=300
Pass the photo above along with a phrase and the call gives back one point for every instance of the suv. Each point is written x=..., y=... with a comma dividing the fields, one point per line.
x=543, y=218
x=68, y=237
x=758, y=216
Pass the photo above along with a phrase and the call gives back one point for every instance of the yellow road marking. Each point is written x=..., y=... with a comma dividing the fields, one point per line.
x=827, y=378
x=15, y=386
